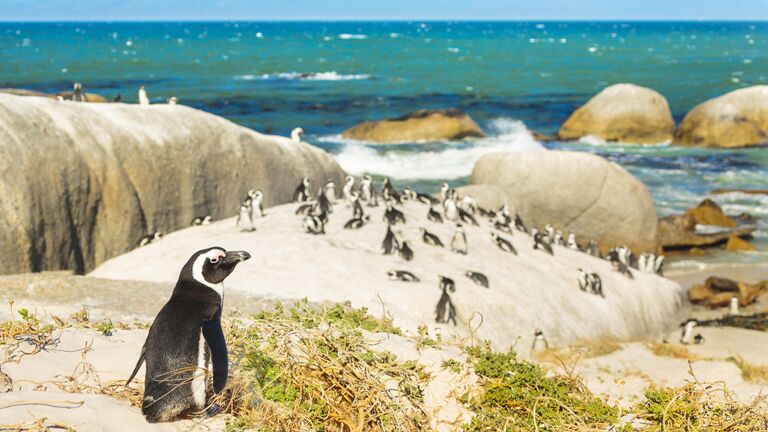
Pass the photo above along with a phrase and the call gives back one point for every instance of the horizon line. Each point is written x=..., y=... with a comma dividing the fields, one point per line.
x=340, y=20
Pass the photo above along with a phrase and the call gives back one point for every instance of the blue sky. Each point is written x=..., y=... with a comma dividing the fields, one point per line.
x=47, y=10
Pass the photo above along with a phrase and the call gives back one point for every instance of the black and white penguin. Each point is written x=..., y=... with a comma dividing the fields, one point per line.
x=658, y=265
x=619, y=266
x=559, y=238
x=346, y=191
x=502, y=227
x=257, y=198
x=459, y=240
x=405, y=251
x=519, y=225
x=468, y=204
x=78, y=95
x=118, y=98
x=486, y=213
x=302, y=192
x=450, y=209
x=540, y=342
x=409, y=194
x=389, y=192
x=357, y=223
x=426, y=199
x=448, y=284
x=296, y=134
x=143, y=98
x=583, y=280
x=687, y=332
x=434, y=215
x=430, y=238
x=202, y=220
x=305, y=209
x=478, y=278
x=595, y=284
x=245, y=217
x=466, y=217
x=329, y=190
x=186, y=337
x=503, y=243
x=698, y=339
x=173, y=100
x=392, y=215
x=368, y=191
x=150, y=238
x=550, y=234
x=445, y=312
x=357, y=207
x=733, y=306
x=315, y=224
x=540, y=243
x=389, y=245
x=571, y=242
x=593, y=249
x=322, y=204
x=402, y=276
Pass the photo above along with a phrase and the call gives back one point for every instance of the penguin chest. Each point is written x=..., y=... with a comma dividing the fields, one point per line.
x=201, y=370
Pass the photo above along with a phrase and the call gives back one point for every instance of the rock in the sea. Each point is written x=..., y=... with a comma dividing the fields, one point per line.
x=719, y=284
x=737, y=244
x=699, y=293
x=735, y=119
x=82, y=183
x=574, y=191
x=625, y=113
x=718, y=292
x=709, y=213
x=22, y=92
x=531, y=289
x=418, y=126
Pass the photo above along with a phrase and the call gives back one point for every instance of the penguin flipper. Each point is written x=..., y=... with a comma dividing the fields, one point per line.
x=214, y=337
x=142, y=356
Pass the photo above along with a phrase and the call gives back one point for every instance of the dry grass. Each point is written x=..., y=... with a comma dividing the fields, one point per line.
x=750, y=372
x=669, y=350
x=597, y=348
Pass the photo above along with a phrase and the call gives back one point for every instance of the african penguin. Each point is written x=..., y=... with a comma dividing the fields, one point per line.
x=595, y=284
x=368, y=191
x=357, y=223
x=698, y=339
x=468, y=204
x=540, y=342
x=478, y=278
x=459, y=240
x=445, y=312
x=393, y=216
x=658, y=265
x=329, y=190
x=296, y=134
x=150, y=238
x=302, y=192
x=173, y=100
x=118, y=98
x=202, y=220
x=559, y=238
x=583, y=280
x=571, y=243
x=733, y=306
x=503, y=243
x=346, y=191
x=305, y=209
x=389, y=245
x=687, y=332
x=540, y=243
x=447, y=283
x=315, y=224
x=450, y=210
x=257, y=197
x=322, y=204
x=405, y=251
x=434, y=215
x=245, y=217
x=143, y=98
x=389, y=192
x=593, y=249
x=550, y=236
x=430, y=238
x=466, y=217
x=409, y=194
x=402, y=276
x=186, y=336
x=77, y=94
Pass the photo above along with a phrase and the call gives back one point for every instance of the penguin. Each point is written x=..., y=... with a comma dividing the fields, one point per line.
x=409, y=194
x=434, y=215
x=329, y=190
x=450, y=210
x=595, y=284
x=478, y=278
x=393, y=216
x=540, y=243
x=466, y=217
x=245, y=217
x=658, y=265
x=426, y=199
x=118, y=98
x=733, y=306
x=296, y=134
x=405, y=251
x=402, y=276
x=687, y=332
x=389, y=192
x=448, y=284
x=322, y=204
x=368, y=191
x=302, y=192
x=559, y=238
x=305, y=209
x=445, y=312
x=445, y=192
x=346, y=191
x=503, y=243
x=357, y=223
x=519, y=225
x=642, y=262
x=540, y=342
x=389, y=245
x=550, y=236
x=357, y=208
x=698, y=339
x=486, y=213
x=315, y=224
x=459, y=240
x=143, y=98
x=430, y=238
x=502, y=227
x=186, y=337
x=622, y=268
x=571, y=242
x=257, y=197
x=593, y=249
x=77, y=94
x=173, y=100
x=468, y=204
x=583, y=280
x=150, y=238
x=202, y=220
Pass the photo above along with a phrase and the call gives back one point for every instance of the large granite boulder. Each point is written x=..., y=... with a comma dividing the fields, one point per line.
x=579, y=192
x=418, y=126
x=625, y=113
x=735, y=119
x=81, y=183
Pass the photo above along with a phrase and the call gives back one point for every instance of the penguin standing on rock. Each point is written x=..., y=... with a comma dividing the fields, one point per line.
x=540, y=243
x=357, y=223
x=78, y=95
x=503, y=243
x=302, y=192
x=368, y=191
x=150, y=238
x=540, y=342
x=296, y=134
x=405, y=251
x=393, y=216
x=315, y=223
x=571, y=242
x=245, y=217
x=459, y=240
x=143, y=98
x=186, y=337
x=445, y=311
x=402, y=276
x=687, y=333
x=346, y=191
x=478, y=278
x=257, y=209
x=329, y=190
x=434, y=215
x=357, y=208
x=201, y=220
x=430, y=238
x=389, y=245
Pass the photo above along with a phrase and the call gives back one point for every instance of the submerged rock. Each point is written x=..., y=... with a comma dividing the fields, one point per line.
x=574, y=191
x=735, y=119
x=625, y=113
x=82, y=183
x=421, y=125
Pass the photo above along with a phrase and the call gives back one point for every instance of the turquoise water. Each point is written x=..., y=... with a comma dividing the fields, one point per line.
x=509, y=76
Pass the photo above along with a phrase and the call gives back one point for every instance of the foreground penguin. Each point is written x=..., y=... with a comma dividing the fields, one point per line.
x=186, y=337
x=478, y=278
x=302, y=193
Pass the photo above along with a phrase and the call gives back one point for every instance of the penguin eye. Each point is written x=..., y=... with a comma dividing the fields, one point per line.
x=214, y=260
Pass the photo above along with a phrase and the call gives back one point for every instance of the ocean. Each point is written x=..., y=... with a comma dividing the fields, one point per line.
x=511, y=77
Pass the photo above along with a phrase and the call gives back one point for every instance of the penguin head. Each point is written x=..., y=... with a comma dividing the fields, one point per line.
x=211, y=266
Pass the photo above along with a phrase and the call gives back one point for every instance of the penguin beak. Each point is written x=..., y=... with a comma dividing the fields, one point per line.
x=234, y=257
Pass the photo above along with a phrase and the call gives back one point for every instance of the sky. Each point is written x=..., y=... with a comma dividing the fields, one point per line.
x=169, y=10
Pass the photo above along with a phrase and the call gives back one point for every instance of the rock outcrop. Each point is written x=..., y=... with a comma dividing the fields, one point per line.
x=574, y=191
x=717, y=292
x=703, y=225
x=82, y=183
x=735, y=119
x=625, y=113
x=418, y=126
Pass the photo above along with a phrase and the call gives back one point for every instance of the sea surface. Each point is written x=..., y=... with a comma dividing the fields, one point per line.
x=511, y=77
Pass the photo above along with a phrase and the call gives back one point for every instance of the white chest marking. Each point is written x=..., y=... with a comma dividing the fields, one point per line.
x=198, y=379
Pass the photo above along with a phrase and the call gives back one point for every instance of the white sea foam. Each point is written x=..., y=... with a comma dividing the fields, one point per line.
x=311, y=76
x=352, y=36
x=454, y=160
x=597, y=141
